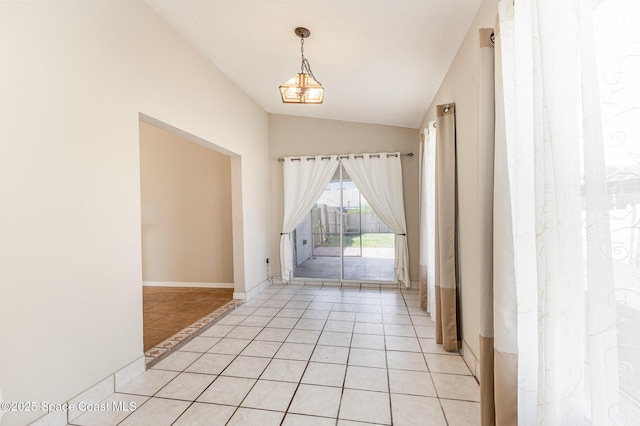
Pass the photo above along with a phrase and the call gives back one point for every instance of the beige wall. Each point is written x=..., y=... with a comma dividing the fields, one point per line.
x=461, y=86
x=291, y=135
x=74, y=77
x=186, y=210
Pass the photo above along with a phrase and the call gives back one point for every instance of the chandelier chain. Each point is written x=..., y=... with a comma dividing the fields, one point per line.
x=305, y=62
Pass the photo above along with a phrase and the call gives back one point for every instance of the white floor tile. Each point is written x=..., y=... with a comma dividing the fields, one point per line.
x=366, y=378
x=157, y=412
x=268, y=309
x=342, y=306
x=177, y=361
x=452, y=386
x=302, y=420
x=205, y=414
x=210, y=364
x=331, y=338
x=256, y=321
x=278, y=322
x=365, y=317
x=394, y=310
x=430, y=346
x=200, y=344
x=330, y=354
x=397, y=319
x=249, y=416
x=369, y=301
x=227, y=390
x=368, y=328
x=425, y=332
x=406, y=360
x=370, y=309
x=148, y=383
x=274, y=334
x=244, y=332
x=342, y=316
x=397, y=343
x=243, y=310
x=324, y=374
x=325, y=298
x=399, y=330
x=274, y=303
x=187, y=386
x=270, y=395
x=406, y=409
x=339, y=326
x=316, y=400
x=321, y=306
x=461, y=413
x=422, y=320
x=246, y=366
x=365, y=406
x=231, y=320
x=303, y=336
x=111, y=417
x=368, y=358
x=299, y=297
x=446, y=364
x=411, y=383
x=298, y=351
x=316, y=313
x=290, y=313
x=368, y=341
x=261, y=349
x=309, y=324
x=229, y=346
x=297, y=305
x=284, y=370
x=217, y=330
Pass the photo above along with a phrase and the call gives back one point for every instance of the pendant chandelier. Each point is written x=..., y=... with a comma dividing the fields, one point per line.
x=302, y=88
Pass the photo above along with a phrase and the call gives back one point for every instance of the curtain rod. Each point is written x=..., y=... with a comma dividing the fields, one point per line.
x=409, y=154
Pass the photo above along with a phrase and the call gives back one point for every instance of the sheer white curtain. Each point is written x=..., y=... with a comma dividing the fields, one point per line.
x=379, y=179
x=559, y=180
x=427, y=283
x=304, y=180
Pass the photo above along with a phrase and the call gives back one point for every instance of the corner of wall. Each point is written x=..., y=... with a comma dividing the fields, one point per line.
x=471, y=360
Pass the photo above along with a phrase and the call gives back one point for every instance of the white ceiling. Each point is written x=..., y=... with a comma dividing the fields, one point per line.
x=380, y=61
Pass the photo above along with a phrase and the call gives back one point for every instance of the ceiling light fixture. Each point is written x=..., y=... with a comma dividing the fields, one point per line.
x=302, y=88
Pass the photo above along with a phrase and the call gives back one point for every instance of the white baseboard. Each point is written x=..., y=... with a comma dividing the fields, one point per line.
x=240, y=296
x=94, y=394
x=186, y=284
x=470, y=359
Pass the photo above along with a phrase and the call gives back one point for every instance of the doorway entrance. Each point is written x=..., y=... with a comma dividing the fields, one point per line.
x=341, y=238
x=187, y=239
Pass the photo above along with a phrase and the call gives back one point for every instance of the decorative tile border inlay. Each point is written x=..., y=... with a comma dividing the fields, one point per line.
x=163, y=349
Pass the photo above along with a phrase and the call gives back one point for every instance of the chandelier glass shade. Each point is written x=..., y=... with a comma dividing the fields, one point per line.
x=302, y=88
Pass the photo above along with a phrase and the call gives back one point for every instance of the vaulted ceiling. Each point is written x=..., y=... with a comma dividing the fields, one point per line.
x=380, y=61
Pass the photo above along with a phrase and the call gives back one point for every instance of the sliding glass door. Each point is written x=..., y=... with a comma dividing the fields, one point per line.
x=342, y=238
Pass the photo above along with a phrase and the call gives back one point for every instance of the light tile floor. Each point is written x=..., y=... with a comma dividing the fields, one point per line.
x=307, y=355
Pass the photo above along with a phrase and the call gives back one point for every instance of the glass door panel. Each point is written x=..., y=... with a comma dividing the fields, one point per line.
x=342, y=238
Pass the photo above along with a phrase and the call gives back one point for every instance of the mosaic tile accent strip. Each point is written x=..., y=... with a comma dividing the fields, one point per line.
x=163, y=349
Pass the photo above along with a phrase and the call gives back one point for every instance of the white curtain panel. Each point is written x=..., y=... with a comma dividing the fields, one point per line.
x=304, y=180
x=379, y=179
x=566, y=291
x=428, y=216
